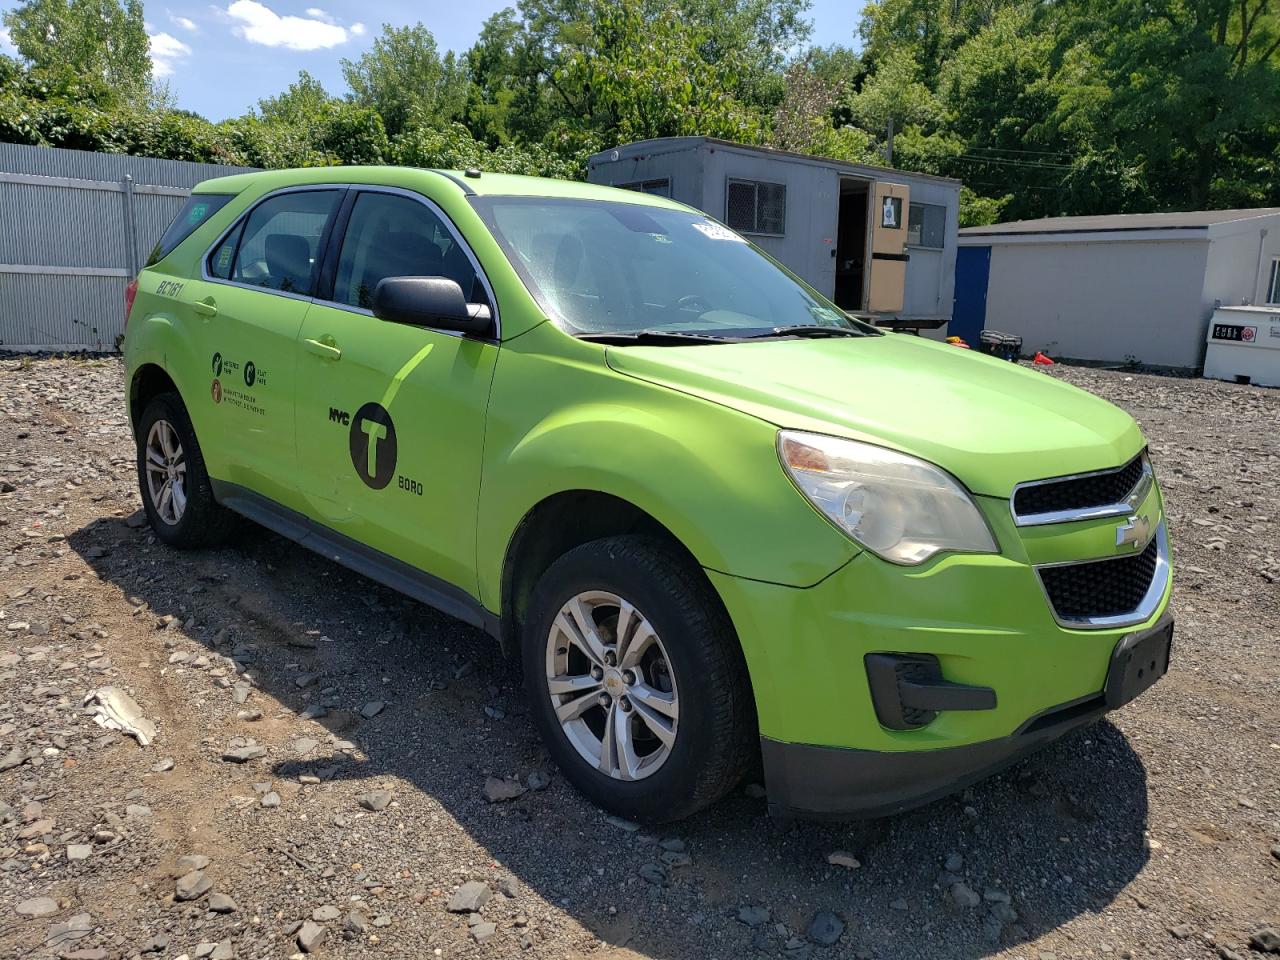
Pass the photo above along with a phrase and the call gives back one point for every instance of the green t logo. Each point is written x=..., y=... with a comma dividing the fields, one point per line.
x=374, y=432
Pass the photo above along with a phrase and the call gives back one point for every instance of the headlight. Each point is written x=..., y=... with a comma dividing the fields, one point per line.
x=900, y=508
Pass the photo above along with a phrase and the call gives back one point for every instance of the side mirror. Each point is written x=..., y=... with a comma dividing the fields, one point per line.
x=429, y=302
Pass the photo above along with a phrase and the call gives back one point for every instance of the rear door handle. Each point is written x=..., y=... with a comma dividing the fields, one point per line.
x=329, y=351
x=206, y=307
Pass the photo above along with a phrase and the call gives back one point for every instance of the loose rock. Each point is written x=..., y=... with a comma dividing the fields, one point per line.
x=375, y=800
x=310, y=936
x=825, y=928
x=470, y=897
x=37, y=907
x=963, y=896
x=192, y=886
x=497, y=791
x=222, y=903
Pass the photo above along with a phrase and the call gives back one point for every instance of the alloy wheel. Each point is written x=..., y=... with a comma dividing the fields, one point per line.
x=166, y=472
x=611, y=685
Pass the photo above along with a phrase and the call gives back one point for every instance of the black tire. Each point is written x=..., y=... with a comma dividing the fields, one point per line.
x=715, y=737
x=203, y=522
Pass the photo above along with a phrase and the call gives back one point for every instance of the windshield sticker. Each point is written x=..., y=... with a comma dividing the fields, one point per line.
x=717, y=232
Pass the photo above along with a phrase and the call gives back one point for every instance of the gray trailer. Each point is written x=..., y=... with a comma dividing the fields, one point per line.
x=881, y=243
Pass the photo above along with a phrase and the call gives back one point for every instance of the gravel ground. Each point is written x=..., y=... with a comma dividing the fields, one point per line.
x=367, y=728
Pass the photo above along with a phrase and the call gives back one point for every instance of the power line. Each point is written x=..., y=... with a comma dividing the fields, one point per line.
x=1003, y=161
x=1046, y=153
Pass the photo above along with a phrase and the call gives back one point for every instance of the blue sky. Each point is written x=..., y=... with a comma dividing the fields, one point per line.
x=220, y=58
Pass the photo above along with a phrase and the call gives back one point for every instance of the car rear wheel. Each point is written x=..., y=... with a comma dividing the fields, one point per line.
x=636, y=679
x=176, y=493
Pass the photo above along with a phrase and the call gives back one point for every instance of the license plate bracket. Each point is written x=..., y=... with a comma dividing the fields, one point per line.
x=1138, y=661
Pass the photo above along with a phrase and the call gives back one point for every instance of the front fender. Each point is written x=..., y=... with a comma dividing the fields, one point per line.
x=561, y=420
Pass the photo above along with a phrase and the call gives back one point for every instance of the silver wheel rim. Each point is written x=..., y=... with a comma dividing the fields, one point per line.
x=611, y=686
x=166, y=472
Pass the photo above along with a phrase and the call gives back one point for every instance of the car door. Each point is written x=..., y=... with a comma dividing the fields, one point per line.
x=391, y=416
x=257, y=285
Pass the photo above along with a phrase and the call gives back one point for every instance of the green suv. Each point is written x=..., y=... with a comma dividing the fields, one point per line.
x=721, y=523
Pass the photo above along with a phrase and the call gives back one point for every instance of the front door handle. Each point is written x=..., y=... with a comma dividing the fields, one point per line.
x=206, y=307
x=320, y=348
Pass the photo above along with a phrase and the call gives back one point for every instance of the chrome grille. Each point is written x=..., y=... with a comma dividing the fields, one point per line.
x=1086, y=496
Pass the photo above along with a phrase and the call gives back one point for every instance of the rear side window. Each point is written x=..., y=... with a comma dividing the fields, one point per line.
x=224, y=254
x=279, y=243
x=198, y=208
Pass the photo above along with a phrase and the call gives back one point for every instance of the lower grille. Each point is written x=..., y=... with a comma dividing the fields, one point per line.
x=1102, y=588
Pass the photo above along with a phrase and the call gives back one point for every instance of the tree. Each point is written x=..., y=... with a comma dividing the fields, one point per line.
x=524, y=67
x=304, y=99
x=1187, y=83
x=105, y=39
x=635, y=77
x=403, y=76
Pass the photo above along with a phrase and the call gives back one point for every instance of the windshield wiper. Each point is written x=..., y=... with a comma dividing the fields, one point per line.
x=654, y=337
x=810, y=331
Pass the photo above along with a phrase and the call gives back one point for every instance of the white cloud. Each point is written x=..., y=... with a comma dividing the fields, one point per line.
x=186, y=23
x=6, y=42
x=319, y=14
x=356, y=30
x=166, y=49
x=259, y=24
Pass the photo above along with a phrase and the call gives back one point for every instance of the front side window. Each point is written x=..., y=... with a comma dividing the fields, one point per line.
x=925, y=225
x=280, y=242
x=617, y=267
x=394, y=236
x=1273, y=290
x=753, y=207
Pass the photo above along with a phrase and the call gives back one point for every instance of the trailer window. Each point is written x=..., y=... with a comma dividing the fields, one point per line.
x=753, y=207
x=925, y=225
x=660, y=188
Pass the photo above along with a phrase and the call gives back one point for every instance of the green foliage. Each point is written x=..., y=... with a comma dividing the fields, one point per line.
x=979, y=211
x=569, y=73
x=452, y=147
x=101, y=39
x=404, y=76
x=636, y=76
x=1081, y=106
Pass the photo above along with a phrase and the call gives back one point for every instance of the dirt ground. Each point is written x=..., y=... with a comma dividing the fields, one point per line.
x=1154, y=834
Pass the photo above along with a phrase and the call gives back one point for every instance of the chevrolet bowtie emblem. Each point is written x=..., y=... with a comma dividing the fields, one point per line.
x=1134, y=532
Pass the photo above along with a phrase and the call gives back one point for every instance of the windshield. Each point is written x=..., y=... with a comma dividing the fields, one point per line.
x=606, y=267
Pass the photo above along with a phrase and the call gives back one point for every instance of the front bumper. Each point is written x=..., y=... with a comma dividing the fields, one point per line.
x=984, y=623
x=811, y=781
x=830, y=782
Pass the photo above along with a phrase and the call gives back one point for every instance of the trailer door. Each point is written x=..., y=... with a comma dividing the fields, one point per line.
x=888, y=265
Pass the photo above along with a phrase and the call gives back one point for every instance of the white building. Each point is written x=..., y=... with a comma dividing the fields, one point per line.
x=1137, y=287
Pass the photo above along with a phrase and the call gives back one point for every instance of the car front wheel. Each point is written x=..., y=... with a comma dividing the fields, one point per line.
x=637, y=681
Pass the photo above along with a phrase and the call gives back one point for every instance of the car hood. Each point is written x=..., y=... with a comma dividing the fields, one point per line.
x=989, y=422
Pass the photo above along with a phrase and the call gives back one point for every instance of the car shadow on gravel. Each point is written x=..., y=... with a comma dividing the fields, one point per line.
x=1059, y=835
